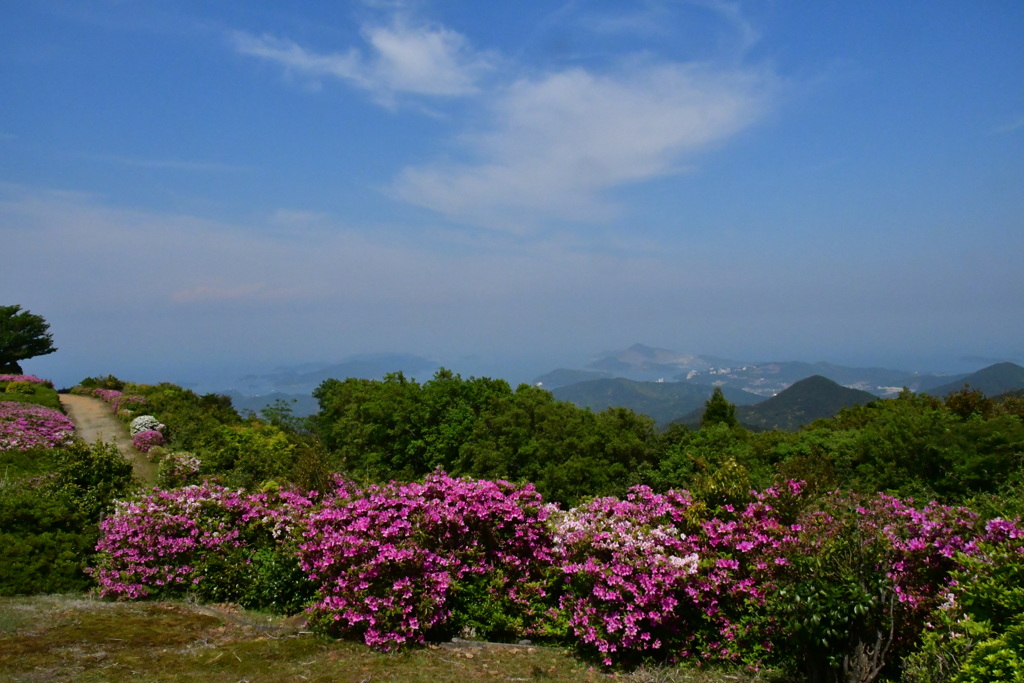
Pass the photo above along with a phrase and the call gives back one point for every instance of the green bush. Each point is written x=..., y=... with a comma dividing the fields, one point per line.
x=27, y=388
x=28, y=392
x=51, y=501
x=46, y=540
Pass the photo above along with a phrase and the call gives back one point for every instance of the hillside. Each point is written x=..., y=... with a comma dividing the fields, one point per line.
x=801, y=404
x=662, y=401
x=994, y=380
x=808, y=400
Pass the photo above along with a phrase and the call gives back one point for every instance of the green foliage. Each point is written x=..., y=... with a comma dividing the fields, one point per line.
x=46, y=540
x=50, y=504
x=836, y=605
x=266, y=578
x=30, y=392
x=1000, y=658
x=246, y=455
x=22, y=336
x=26, y=388
x=399, y=429
x=106, y=382
x=910, y=446
x=718, y=410
x=92, y=476
x=193, y=421
x=979, y=633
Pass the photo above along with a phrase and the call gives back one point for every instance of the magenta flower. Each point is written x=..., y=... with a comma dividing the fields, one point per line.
x=24, y=426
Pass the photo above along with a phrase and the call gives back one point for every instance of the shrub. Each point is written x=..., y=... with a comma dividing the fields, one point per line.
x=107, y=395
x=45, y=538
x=222, y=545
x=144, y=423
x=107, y=382
x=177, y=469
x=20, y=388
x=977, y=634
x=48, y=523
x=128, y=402
x=397, y=562
x=861, y=580
x=31, y=379
x=146, y=440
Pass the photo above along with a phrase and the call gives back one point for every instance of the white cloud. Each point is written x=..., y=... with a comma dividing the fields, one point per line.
x=558, y=142
x=402, y=57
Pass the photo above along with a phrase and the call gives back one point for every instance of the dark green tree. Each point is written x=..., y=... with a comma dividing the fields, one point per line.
x=22, y=336
x=718, y=410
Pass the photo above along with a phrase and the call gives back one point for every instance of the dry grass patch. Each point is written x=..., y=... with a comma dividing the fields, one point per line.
x=74, y=638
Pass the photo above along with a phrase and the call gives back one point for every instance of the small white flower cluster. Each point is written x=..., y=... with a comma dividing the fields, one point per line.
x=144, y=423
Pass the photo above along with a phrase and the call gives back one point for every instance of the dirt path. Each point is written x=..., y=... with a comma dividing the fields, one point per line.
x=94, y=422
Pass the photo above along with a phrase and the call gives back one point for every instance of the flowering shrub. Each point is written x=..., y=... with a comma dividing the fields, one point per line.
x=147, y=440
x=221, y=544
x=652, y=576
x=397, y=562
x=107, y=395
x=977, y=633
x=144, y=423
x=24, y=426
x=626, y=567
x=130, y=402
x=32, y=379
x=843, y=590
x=177, y=469
x=863, y=578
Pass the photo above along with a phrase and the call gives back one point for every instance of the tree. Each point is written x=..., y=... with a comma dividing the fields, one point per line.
x=718, y=410
x=22, y=335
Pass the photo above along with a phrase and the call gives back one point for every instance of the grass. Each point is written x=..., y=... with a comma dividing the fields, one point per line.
x=40, y=395
x=76, y=638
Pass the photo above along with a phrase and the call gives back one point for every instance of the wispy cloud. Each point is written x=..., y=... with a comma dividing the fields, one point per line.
x=402, y=57
x=556, y=143
x=1010, y=127
x=553, y=144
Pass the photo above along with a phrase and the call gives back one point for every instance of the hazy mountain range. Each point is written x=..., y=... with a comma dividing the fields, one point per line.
x=663, y=384
x=643, y=363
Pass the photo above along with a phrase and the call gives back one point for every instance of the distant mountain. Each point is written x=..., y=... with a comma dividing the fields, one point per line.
x=801, y=404
x=645, y=363
x=563, y=377
x=992, y=381
x=304, y=379
x=662, y=401
x=302, y=405
x=769, y=379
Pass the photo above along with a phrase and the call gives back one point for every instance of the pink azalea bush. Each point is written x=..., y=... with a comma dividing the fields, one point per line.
x=147, y=439
x=107, y=395
x=781, y=579
x=397, y=562
x=654, y=576
x=204, y=539
x=24, y=426
x=32, y=379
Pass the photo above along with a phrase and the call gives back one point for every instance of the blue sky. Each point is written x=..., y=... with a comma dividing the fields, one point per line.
x=509, y=187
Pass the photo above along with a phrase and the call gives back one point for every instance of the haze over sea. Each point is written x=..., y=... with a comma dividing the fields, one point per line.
x=195, y=191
